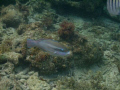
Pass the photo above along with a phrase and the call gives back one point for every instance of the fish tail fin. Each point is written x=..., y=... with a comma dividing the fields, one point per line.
x=31, y=43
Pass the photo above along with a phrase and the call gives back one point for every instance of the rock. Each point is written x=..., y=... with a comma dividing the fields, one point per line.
x=34, y=83
x=11, y=16
x=13, y=57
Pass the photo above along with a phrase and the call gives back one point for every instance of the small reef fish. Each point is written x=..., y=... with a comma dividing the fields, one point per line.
x=51, y=46
x=113, y=7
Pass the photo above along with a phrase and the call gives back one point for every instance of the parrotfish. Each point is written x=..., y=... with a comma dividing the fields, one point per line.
x=51, y=46
x=113, y=7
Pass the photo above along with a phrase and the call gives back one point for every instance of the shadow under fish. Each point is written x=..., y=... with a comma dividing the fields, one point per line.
x=51, y=46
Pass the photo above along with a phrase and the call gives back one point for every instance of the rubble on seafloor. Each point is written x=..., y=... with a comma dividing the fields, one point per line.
x=95, y=45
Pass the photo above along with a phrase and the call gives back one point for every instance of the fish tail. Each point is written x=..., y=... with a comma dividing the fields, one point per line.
x=31, y=43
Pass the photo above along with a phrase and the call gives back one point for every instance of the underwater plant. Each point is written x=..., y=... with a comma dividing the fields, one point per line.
x=66, y=30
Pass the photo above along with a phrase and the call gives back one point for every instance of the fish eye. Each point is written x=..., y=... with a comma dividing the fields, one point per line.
x=62, y=49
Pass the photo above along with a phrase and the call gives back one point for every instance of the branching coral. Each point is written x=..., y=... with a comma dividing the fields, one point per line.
x=66, y=30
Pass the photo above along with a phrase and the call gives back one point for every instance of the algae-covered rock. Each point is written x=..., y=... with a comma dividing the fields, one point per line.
x=13, y=57
x=87, y=55
x=34, y=83
x=11, y=16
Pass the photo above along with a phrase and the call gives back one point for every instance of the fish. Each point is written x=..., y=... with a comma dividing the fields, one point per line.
x=51, y=46
x=113, y=7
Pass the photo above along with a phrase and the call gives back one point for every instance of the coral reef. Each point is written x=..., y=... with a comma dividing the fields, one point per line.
x=115, y=36
x=24, y=9
x=69, y=83
x=98, y=30
x=24, y=48
x=66, y=30
x=41, y=61
x=13, y=57
x=49, y=22
x=51, y=19
x=88, y=54
x=93, y=6
x=23, y=68
x=21, y=29
x=11, y=16
x=45, y=63
x=39, y=5
x=5, y=46
x=33, y=82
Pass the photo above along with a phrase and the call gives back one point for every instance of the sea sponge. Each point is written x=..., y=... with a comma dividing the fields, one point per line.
x=11, y=16
x=66, y=30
